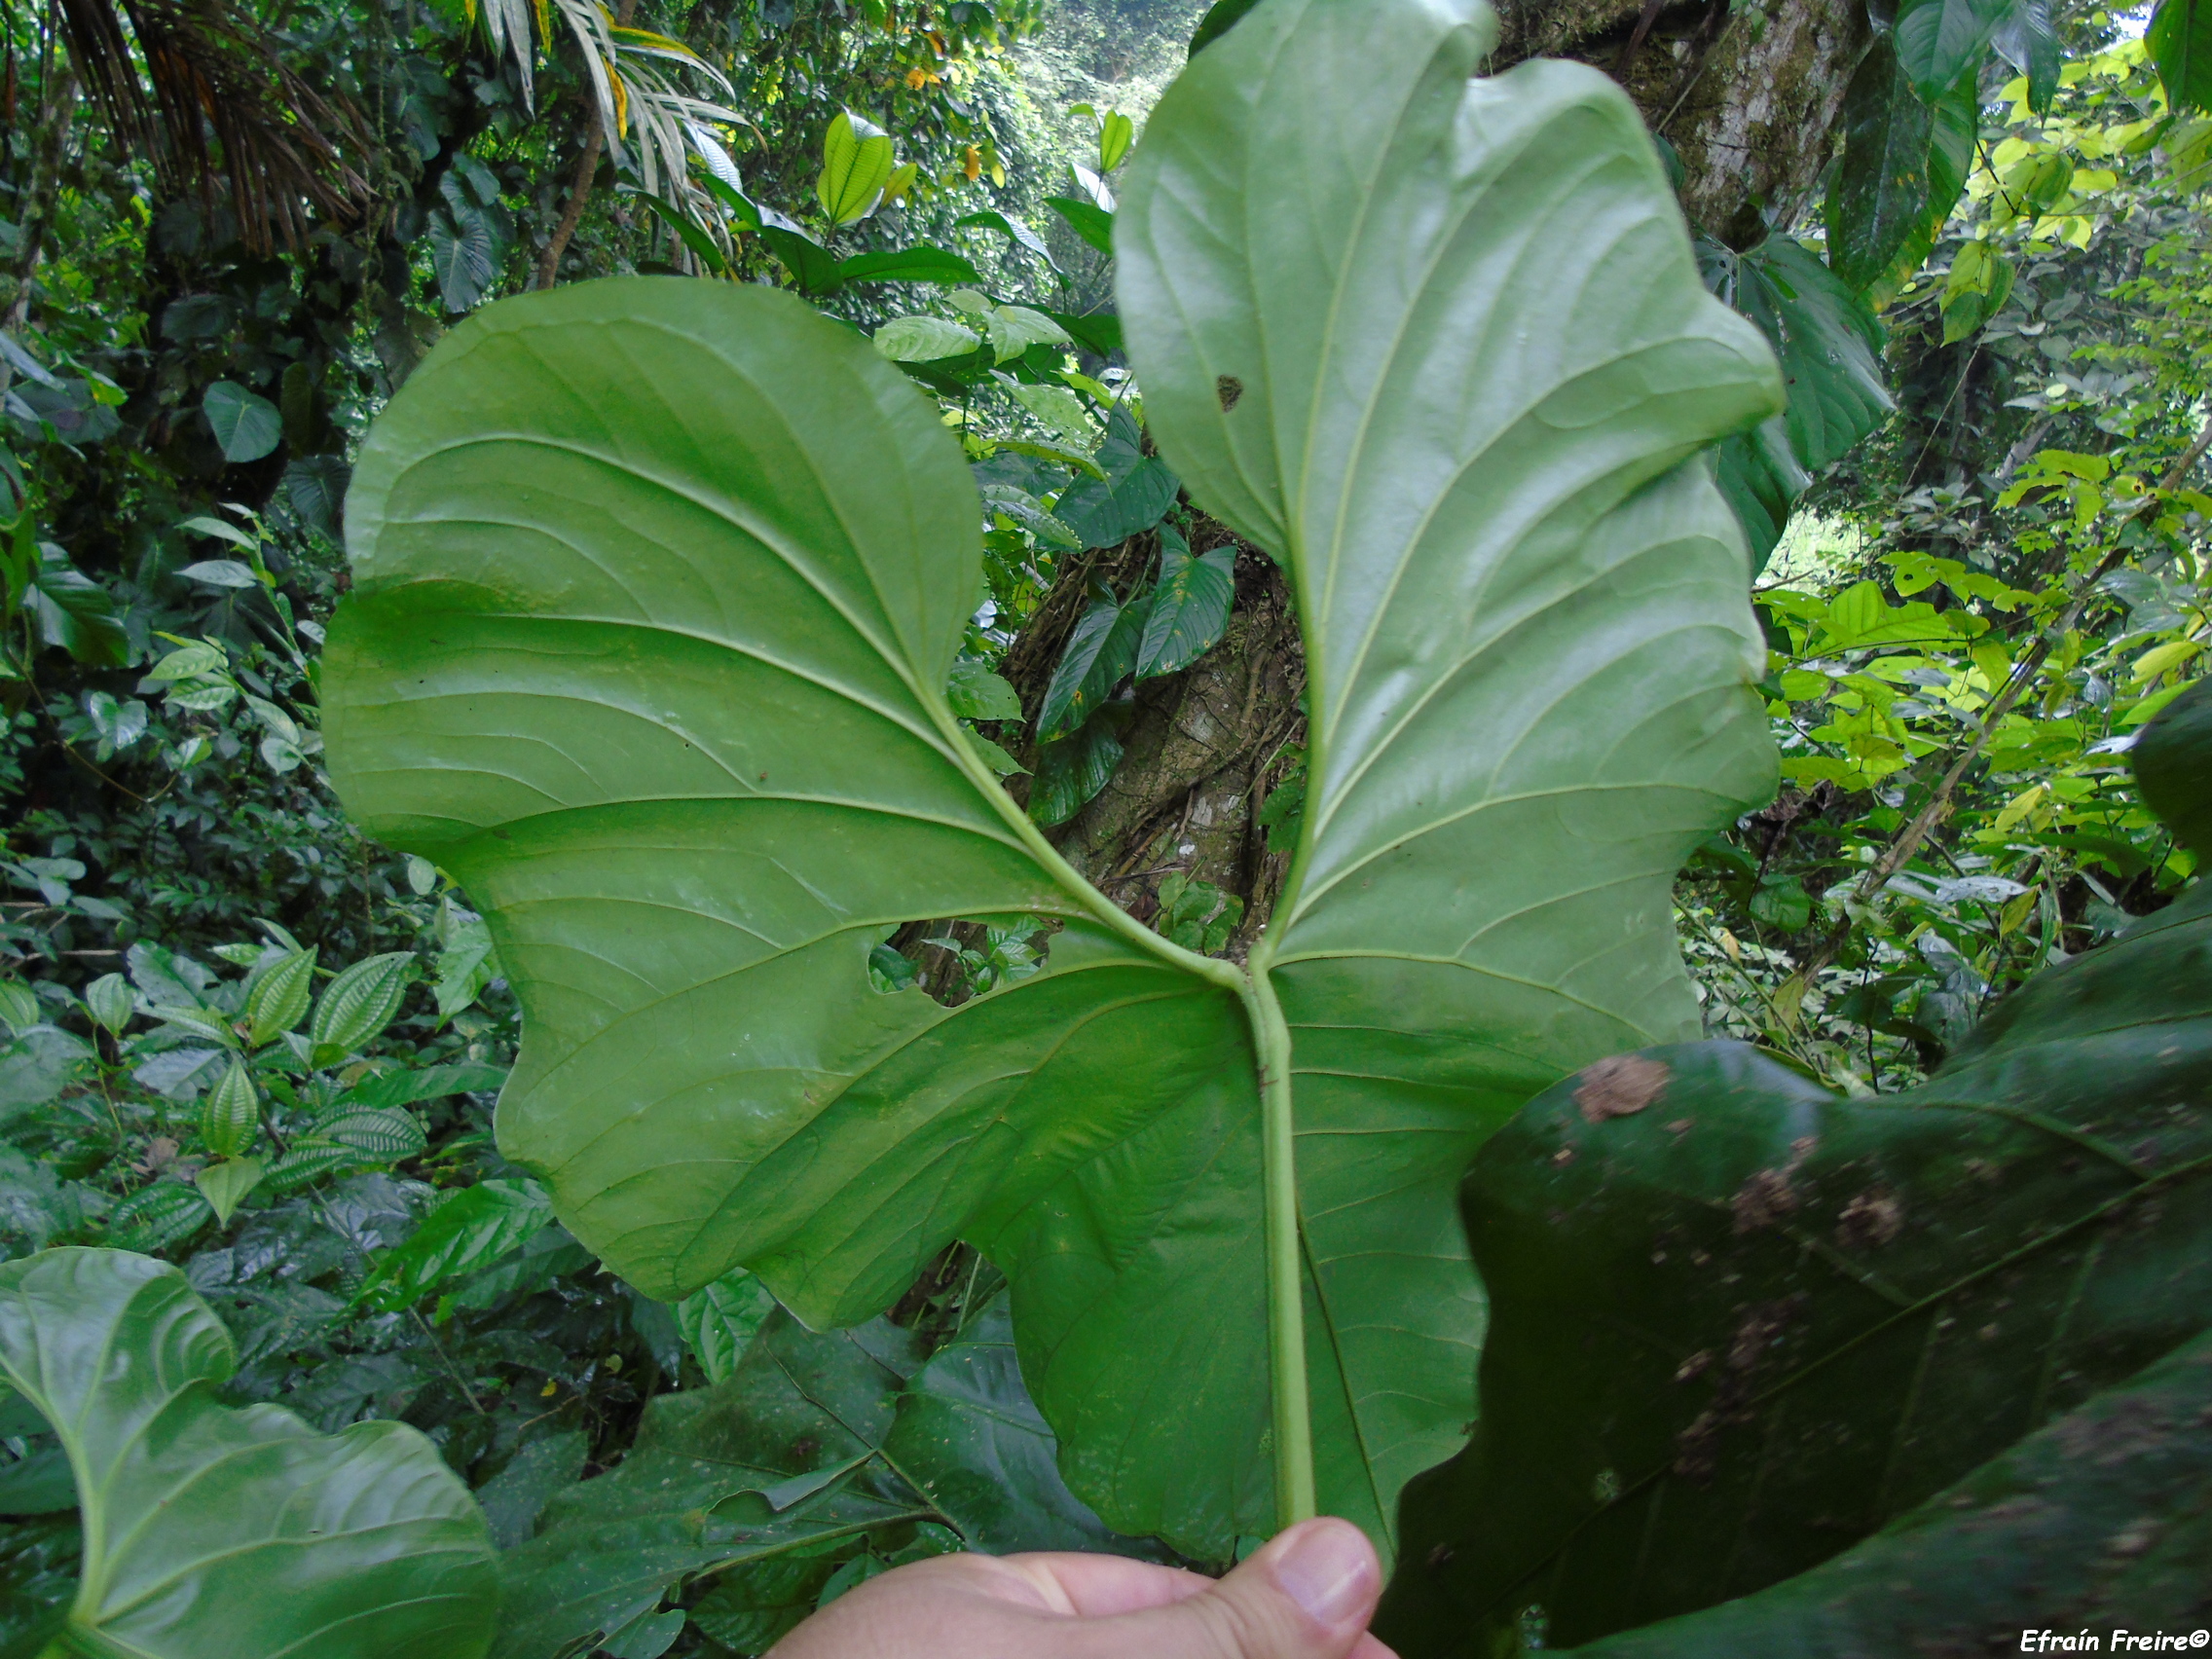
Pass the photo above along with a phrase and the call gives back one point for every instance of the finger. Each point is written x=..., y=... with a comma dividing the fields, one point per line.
x=1100, y=1586
x=1308, y=1595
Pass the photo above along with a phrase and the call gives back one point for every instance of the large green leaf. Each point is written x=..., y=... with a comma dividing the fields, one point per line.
x=2106, y=1512
x=1829, y=343
x=1881, y=192
x=657, y=590
x=1440, y=345
x=1741, y=1323
x=2180, y=39
x=1828, y=340
x=240, y=1533
x=1937, y=41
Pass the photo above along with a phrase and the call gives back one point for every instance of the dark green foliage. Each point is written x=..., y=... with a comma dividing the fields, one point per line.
x=1781, y=1319
x=2103, y=1519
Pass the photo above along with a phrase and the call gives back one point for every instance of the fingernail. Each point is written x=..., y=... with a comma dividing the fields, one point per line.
x=1329, y=1570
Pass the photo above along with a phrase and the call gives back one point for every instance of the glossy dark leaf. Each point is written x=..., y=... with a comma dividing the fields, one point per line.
x=222, y=1530
x=1100, y=653
x=2172, y=768
x=1781, y=1319
x=2180, y=39
x=1098, y=332
x=472, y=1229
x=1221, y=17
x=1880, y=194
x=813, y=267
x=1189, y=606
x=2029, y=41
x=1089, y=221
x=1759, y=474
x=1135, y=495
x=685, y=229
x=1937, y=41
x=2102, y=1519
x=74, y=613
x=1828, y=340
x=1071, y=771
x=908, y=265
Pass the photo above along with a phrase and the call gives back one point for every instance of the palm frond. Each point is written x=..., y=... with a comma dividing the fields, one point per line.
x=204, y=97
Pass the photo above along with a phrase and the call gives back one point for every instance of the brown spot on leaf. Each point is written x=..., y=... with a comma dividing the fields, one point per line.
x=1229, y=389
x=1872, y=1218
x=1697, y=1447
x=1618, y=1086
x=1768, y=1196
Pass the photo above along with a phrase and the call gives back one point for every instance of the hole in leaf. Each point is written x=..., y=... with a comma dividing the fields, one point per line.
x=954, y=960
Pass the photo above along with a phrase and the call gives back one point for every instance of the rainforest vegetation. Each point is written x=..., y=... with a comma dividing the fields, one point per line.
x=792, y=784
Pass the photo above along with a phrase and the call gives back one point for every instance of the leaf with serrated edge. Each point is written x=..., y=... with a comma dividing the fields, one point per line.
x=237, y=1531
x=657, y=589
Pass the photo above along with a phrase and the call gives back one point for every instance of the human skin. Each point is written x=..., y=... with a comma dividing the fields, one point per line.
x=1308, y=1595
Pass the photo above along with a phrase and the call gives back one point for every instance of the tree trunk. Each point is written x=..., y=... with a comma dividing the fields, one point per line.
x=1746, y=93
x=1748, y=98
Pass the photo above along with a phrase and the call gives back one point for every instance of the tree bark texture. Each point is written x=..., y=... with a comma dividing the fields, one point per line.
x=1747, y=93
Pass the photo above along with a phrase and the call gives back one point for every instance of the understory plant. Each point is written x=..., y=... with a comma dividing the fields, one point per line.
x=658, y=588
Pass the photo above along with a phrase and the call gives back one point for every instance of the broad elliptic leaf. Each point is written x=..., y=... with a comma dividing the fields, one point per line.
x=658, y=588
x=1135, y=495
x=1937, y=41
x=1739, y=1322
x=924, y=338
x=2107, y=1511
x=248, y=425
x=2180, y=39
x=1828, y=341
x=210, y=1529
x=856, y=164
x=1189, y=606
x=1440, y=345
x=1880, y=194
x=908, y=265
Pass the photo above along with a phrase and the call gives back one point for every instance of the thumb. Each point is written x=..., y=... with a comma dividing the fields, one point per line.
x=1308, y=1595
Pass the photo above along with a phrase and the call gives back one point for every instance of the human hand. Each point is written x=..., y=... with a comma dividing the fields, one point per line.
x=1308, y=1595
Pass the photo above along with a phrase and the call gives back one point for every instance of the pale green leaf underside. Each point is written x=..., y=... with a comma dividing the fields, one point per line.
x=1440, y=344
x=657, y=585
x=209, y=1530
